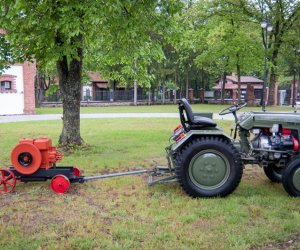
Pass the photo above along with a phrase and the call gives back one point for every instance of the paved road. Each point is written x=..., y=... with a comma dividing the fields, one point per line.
x=22, y=118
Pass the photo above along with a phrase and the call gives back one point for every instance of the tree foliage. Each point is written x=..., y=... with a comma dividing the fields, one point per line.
x=67, y=31
x=153, y=43
x=284, y=16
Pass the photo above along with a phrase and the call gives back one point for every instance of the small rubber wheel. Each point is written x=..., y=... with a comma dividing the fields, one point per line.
x=76, y=171
x=274, y=173
x=7, y=181
x=60, y=184
x=291, y=177
x=208, y=167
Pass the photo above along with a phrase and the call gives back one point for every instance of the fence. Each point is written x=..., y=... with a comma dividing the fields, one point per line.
x=55, y=97
x=116, y=95
x=107, y=95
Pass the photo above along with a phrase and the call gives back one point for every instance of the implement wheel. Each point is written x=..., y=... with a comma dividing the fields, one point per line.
x=209, y=167
x=76, y=171
x=7, y=181
x=60, y=184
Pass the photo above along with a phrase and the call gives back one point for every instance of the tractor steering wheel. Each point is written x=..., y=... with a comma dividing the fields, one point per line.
x=233, y=108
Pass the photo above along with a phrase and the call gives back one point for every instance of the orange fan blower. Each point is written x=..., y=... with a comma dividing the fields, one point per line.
x=32, y=154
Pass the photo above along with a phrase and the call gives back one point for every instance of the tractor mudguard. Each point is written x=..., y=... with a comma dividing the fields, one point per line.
x=200, y=133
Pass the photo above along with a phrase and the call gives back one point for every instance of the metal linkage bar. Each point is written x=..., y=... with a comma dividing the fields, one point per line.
x=92, y=178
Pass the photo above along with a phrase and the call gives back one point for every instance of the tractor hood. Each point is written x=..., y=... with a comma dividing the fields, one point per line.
x=249, y=120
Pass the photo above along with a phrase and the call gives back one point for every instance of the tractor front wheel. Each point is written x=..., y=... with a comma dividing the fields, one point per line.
x=209, y=167
x=273, y=172
x=291, y=177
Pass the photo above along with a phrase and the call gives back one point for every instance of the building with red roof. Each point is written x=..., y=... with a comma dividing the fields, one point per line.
x=247, y=83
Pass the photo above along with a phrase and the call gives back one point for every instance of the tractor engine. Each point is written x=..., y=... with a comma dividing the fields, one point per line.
x=268, y=141
x=31, y=154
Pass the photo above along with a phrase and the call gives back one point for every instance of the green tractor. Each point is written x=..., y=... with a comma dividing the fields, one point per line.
x=208, y=163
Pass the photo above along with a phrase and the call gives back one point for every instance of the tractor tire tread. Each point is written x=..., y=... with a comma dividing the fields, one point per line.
x=287, y=175
x=180, y=157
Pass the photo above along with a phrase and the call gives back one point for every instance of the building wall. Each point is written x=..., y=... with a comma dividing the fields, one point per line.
x=12, y=101
x=29, y=72
x=20, y=99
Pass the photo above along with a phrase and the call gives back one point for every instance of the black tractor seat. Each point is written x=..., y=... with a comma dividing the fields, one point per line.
x=203, y=122
x=187, y=117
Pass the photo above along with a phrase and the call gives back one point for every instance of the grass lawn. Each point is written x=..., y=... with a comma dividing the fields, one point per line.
x=155, y=109
x=124, y=213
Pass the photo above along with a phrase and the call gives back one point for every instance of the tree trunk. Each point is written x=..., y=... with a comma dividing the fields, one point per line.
x=175, y=86
x=36, y=91
x=134, y=93
x=238, y=69
x=149, y=96
x=277, y=32
x=239, y=82
x=272, y=97
x=70, y=86
x=202, y=78
x=187, y=85
x=135, y=84
x=223, y=87
x=163, y=91
x=40, y=88
x=274, y=58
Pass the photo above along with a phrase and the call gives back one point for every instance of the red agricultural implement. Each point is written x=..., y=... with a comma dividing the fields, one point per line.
x=35, y=160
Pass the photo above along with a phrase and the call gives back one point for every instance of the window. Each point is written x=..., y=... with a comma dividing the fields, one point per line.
x=228, y=94
x=258, y=93
x=5, y=85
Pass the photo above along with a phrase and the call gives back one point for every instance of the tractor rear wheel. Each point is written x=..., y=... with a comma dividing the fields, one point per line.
x=291, y=177
x=209, y=167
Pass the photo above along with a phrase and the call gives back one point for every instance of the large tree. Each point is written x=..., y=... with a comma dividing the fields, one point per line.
x=55, y=31
x=284, y=16
x=229, y=40
x=63, y=30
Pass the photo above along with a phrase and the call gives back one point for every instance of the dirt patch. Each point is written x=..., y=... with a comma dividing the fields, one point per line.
x=293, y=242
x=5, y=200
x=252, y=172
x=5, y=218
x=204, y=224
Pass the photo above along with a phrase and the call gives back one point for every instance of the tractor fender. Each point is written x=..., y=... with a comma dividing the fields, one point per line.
x=200, y=133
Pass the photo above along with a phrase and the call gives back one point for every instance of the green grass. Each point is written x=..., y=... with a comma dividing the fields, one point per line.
x=154, y=109
x=124, y=213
